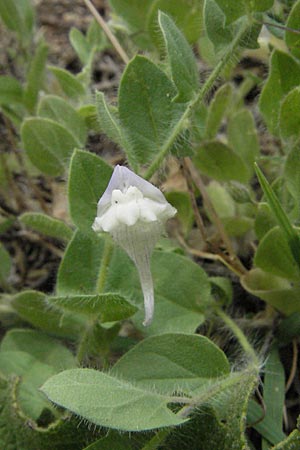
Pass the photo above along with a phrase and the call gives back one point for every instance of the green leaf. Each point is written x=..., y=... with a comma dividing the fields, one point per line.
x=222, y=34
x=172, y=362
x=216, y=110
x=42, y=347
x=34, y=357
x=276, y=291
x=181, y=59
x=18, y=15
x=186, y=15
x=220, y=419
x=290, y=233
x=182, y=202
x=180, y=300
x=89, y=115
x=95, y=36
x=264, y=220
x=288, y=329
x=33, y=373
x=134, y=14
x=274, y=390
x=109, y=307
x=79, y=269
x=292, y=171
x=244, y=144
x=10, y=90
x=278, y=84
x=47, y=225
x=48, y=144
x=19, y=432
x=214, y=20
x=234, y=10
x=224, y=205
x=237, y=226
x=33, y=307
x=274, y=255
x=108, y=120
x=88, y=179
x=35, y=77
x=221, y=200
x=289, y=118
x=218, y=161
x=112, y=440
x=80, y=45
x=293, y=23
x=231, y=408
x=69, y=84
x=59, y=110
x=10, y=15
x=147, y=113
x=292, y=442
x=231, y=10
x=266, y=426
x=107, y=401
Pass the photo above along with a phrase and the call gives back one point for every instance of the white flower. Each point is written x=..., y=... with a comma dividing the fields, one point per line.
x=134, y=212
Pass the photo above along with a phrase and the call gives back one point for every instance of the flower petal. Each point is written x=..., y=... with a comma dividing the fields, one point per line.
x=128, y=213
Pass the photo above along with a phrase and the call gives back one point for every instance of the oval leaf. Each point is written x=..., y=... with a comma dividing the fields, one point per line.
x=107, y=307
x=278, y=84
x=218, y=161
x=88, y=179
x=58, y=110
x=69, y=84
x=48, y=144
x=107, y=401
x=47, y=225
x=172, y=362
x=181, y=59
x=147, y=112
x=274, y=255
x=32, y=307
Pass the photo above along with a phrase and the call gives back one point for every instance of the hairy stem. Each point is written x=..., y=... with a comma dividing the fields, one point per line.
x=83, y=346
x=198, y=99
x=243, y=341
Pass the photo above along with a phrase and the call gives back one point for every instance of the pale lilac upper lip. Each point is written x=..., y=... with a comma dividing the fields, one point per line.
x=122, y=178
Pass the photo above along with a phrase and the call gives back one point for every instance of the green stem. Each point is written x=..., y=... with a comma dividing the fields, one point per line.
x=107, y=254
x=83, y=346
x=198, y=99
x=218, y=386
x=245, y=344
x=82, y=349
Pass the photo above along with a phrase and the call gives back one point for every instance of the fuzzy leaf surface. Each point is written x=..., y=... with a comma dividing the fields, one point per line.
x=59, y=110
x=146, y=110
x=110, y=402
x=88, y=179
x=181, y=59
x=109, y=307
x=48, y=144
x=172, y=362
